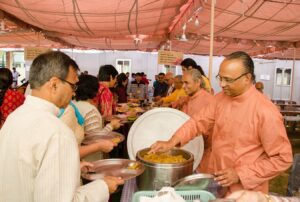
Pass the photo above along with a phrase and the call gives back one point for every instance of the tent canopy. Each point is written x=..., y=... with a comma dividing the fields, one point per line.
x=262, y=28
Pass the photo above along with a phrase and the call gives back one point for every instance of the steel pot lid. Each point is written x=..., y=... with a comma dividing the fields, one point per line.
x=200, y=182
x=160, y=124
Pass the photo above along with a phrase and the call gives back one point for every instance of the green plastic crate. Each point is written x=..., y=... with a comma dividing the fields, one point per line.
x=188, y=196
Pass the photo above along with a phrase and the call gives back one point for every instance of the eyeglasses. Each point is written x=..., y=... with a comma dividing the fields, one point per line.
x=230, y=80
x=73, y=86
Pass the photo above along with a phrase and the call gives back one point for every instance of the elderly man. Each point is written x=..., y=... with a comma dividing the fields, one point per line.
x=169, y=79
x=197, y=99
x=177, y=94
x=249, y=141
x=38, y=152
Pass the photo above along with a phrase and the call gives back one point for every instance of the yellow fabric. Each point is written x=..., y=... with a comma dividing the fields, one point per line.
x=207, y=85
x=174, y=96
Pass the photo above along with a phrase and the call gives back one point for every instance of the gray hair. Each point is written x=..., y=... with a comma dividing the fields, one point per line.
x=48, y=65
x=178, y=77
x=196, y=76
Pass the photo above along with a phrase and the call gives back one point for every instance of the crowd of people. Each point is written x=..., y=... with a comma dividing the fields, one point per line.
x=42, y=139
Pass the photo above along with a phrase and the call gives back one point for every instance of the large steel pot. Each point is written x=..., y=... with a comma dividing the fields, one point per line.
x=158, y=175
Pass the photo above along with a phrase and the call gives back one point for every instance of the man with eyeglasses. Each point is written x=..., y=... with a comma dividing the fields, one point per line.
x=39, y=154
x=249, y=142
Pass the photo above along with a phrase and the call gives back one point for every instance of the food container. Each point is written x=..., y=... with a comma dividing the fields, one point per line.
x=200, y=181
x=124, y=168
x=158, y=175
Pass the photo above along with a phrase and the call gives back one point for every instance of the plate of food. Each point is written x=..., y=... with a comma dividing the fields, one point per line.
x=133, y=105
x=124, y=168
x=133, y=100
x=114, y=136
x=122, y=109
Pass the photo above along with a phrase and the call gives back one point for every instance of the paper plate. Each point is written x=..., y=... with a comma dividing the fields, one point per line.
x=160, y=124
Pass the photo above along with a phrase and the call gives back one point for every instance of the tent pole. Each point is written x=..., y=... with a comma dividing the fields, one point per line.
x=211, y=45
x=293, y=75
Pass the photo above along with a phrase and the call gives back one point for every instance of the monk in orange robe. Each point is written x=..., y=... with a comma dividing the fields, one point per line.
x=197, y=99
x=249, y=142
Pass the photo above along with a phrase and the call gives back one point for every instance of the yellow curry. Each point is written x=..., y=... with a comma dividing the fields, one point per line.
x=164, y=158
x=116, y=140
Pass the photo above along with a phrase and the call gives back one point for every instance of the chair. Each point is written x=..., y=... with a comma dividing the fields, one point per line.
x=294, y=178
x=291, y=102
x=290, y=108
x=280, y=102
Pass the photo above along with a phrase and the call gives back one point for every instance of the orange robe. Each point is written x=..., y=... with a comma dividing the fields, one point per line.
x=248, y=135
x=191, y=107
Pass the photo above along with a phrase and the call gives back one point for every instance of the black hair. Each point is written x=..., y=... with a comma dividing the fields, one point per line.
x=246, y=59
x=190, y=62
x=6, y=80
x=161, y=73
x=120, y=79
x=87, y=87
x=106, y=71
x=200, y=70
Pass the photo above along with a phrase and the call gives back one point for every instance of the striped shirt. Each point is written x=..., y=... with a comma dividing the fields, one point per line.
x=40, y=159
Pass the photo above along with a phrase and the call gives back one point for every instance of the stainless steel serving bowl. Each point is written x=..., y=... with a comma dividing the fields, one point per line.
x=200, y=182
x=158, y=175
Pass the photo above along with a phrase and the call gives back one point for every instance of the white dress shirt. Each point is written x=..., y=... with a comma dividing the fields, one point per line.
x=39, y=158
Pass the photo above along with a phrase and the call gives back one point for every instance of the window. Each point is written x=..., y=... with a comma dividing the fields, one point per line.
x=283, y=76
x=2, y=59
x=176, y=70
x=123, y=65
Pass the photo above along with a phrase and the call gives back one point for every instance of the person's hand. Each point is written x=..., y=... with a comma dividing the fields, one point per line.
x=160, y=146
x=168, y=104
x=115, y=123
x=113, y=183
x=86, y=166
x=106, y=145
x=155, y=99
x=248, y=196
x=160, y=102
x=227, y=177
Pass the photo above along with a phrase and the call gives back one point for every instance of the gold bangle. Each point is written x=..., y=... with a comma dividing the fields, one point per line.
x=268, y=197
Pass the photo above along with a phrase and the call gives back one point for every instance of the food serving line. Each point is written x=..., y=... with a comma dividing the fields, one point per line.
x=146, y=173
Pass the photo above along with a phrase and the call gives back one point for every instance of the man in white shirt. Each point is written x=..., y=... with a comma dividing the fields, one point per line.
x=38, y=153
x=15, y=75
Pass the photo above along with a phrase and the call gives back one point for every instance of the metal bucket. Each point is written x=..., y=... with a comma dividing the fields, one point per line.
x=158, y=175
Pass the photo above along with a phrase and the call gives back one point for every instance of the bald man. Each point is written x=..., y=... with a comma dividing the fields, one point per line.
x=249, y=141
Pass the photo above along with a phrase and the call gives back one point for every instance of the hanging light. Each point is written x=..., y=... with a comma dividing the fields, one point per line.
x=183, y=37
x=197, y=23
x=137, y=40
